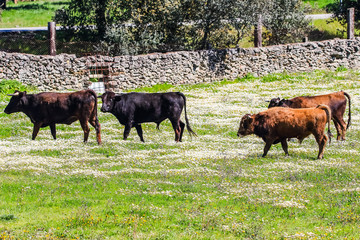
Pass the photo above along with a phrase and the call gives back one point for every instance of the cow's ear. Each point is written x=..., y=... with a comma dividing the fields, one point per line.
x=248, y=117
x=284, y=101
x=22, y=94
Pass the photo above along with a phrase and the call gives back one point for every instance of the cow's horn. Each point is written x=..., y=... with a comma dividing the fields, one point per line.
x=14, y=94
x=267, y=101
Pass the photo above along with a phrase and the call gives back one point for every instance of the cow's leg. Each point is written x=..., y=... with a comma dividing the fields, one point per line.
x=284, y=146
x=177, y=129
x=96, y=124
x=321, y=139
x=267, y=147
x=342, y=128
x=85, y=128
x=139, y=132
x=53, y=130
x=182, y=127
x=36, y=129
x=127, y=131
x=338, y=128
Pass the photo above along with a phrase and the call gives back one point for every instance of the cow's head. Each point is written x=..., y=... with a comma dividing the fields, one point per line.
x=274, y=102
x=17, y=102
x=246, y=126
x=108, y=101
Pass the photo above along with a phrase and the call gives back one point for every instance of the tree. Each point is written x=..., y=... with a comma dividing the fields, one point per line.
x=141, y=26
x=285, y=22
x=339, y=9
x=245, y=13
x=206, y=17
x=90, y=18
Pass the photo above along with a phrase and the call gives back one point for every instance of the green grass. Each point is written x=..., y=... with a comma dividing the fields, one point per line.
x=30, y=14
x=214, y=186
x=325, y=29
x=321, y=4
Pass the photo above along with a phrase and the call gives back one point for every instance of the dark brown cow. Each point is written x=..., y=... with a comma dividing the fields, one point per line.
x=276, y=124
x=49, y=108
x=336, y=101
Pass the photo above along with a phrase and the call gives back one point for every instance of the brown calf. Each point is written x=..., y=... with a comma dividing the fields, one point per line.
x=276, y=124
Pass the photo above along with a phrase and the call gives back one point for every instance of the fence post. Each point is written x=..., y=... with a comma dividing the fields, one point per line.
x=350, y=23
x=258, y=32
x=52, y=37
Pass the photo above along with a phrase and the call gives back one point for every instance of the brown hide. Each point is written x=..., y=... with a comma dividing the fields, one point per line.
x=276, y=124
x=50, y=108
x=336, y=101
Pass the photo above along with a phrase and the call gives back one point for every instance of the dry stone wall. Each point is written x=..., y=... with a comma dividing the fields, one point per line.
x=67, y=72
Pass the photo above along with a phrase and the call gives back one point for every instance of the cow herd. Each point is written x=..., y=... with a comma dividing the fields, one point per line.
x=284, y=119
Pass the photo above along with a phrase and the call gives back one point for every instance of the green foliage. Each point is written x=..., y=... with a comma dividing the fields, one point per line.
x=341, y=69
x=142, y=26
x=7, y=217
x=340, y=7
x=78, y=17
x=9, y=86
x=286, y=22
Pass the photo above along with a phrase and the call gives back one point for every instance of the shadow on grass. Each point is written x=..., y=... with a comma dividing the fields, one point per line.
x=319, y=35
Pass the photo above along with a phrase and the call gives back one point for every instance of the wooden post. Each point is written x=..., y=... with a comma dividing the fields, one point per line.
x=350, y=23
x=258, y=32
x=15, y=1
x=52, y=37
x=305, y=39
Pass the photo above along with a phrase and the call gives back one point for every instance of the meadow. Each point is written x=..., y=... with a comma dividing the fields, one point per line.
x=214, y=186
x=30, y=14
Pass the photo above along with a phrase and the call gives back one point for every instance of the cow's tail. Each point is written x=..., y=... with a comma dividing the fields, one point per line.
x=191, y=132
x=328, y=114
x=95, y=116
x=96, y=97
x=349, y=118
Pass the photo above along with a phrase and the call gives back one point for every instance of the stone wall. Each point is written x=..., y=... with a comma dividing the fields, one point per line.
x=67, y=72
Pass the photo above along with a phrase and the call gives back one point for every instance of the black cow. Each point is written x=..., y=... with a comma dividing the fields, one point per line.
x=132, y=109
x=49, y=108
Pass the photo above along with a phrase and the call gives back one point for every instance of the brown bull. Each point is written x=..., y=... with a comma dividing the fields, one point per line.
x=276, y=124
x=336, y=101
x=50, y=108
